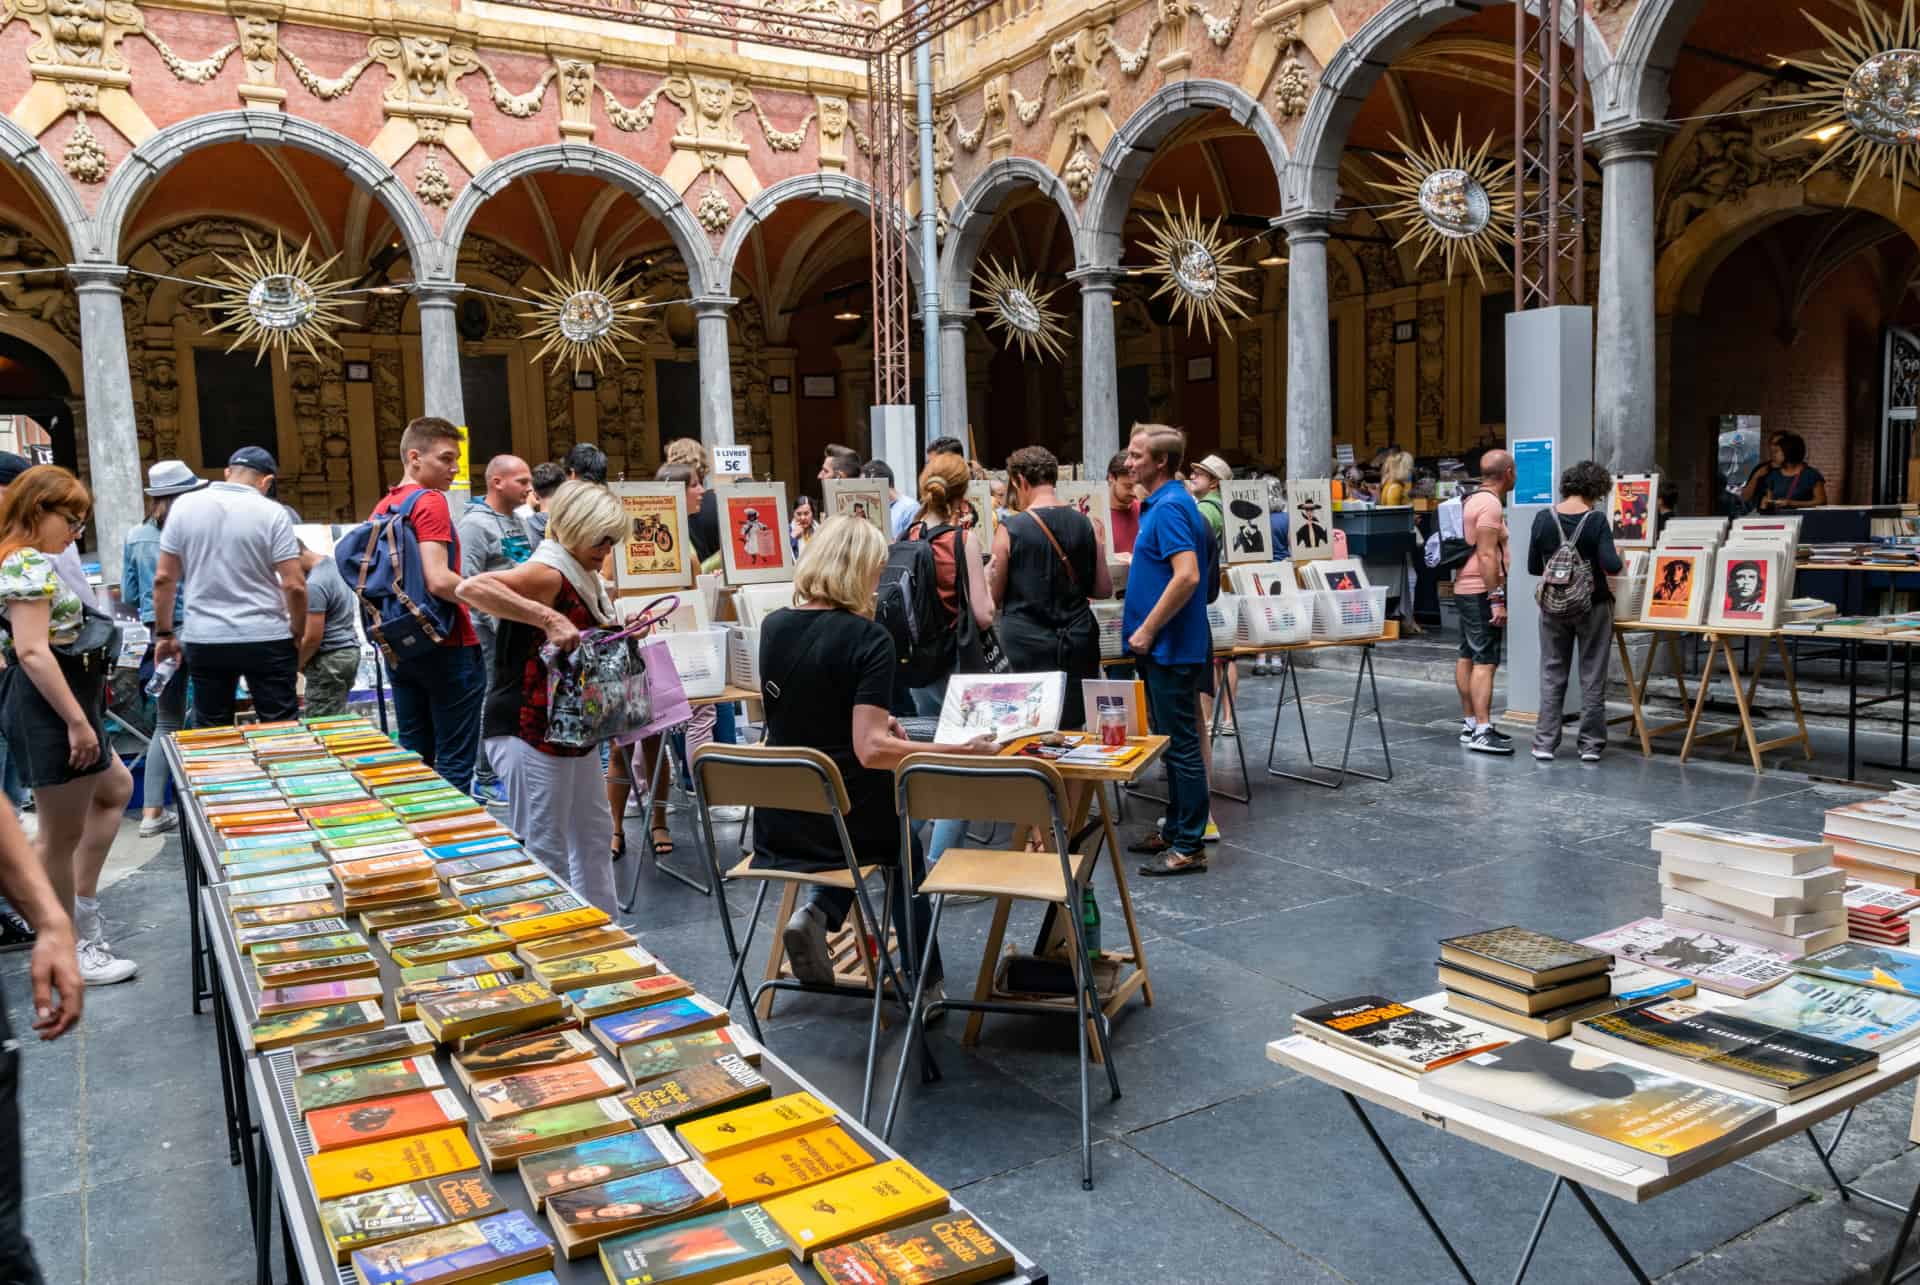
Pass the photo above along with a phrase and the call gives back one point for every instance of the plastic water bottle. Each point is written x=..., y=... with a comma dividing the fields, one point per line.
x=163, y=672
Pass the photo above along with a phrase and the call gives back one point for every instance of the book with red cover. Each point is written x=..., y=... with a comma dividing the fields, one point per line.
x=383, y=1119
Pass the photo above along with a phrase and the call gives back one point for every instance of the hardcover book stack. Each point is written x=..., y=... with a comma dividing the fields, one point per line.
x=1777, y=892
x=1525, y=981
x=1879, y=913
x=1879, y=839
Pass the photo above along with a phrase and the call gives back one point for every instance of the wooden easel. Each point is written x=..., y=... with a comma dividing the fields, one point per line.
x=1720, y=646
x=1637, y=682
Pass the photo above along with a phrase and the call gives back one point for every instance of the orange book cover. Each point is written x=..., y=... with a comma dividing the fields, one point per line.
x=236, y=821
x=355, y=808
x=354, y=1124
x=565, y=921
x=295, y=826
x=853, y=1205
x=401, y=867
x=546, y=1086
x=788, y=1164
x=388, y=1164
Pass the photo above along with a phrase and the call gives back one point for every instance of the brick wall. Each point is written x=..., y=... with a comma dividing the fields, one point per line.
x=1819, y=379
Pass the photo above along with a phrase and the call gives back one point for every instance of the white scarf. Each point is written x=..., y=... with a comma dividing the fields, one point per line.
x=587, y=584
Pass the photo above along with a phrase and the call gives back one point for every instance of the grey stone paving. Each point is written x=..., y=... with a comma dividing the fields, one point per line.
x=1216, y=1165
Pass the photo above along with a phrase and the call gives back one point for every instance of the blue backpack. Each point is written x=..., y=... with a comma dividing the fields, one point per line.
x=380, y=561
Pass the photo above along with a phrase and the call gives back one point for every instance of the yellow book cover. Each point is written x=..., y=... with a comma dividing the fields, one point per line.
x=388, y=1164
x=789, y=1164
x=854, y=1205
x=585, y=941
x=749, y=1126
x=565, y=921
x=778, y=1275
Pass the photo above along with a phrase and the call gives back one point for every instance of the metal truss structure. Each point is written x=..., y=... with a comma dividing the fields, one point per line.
x=812, y=27
x=1550, y=246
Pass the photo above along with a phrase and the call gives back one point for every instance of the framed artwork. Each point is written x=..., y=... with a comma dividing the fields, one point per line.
x=782, y=384
x=1092, y=501
x=753, y=533
x=980, y=519
x=1002, y=706
x=656, y=553
x=1249, y=535
x=1200, y=370
x=583, y=380
x=861, y=497
x=359, y=372
x=1634, y=510
x=1268, y=580
x=754, y=603
x=1339, y=573
x=817, y=386
x=1677, y=588
x=1310, y=518
x=1748, y=589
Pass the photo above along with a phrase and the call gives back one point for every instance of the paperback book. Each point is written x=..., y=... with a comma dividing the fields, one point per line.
x=703, y=1250
x=1752, y=1057
x=271, y=1033
x=587, y=1164
x=1861, y=1017
x=749, y=1126
x=388, y=1164
x=675, y=1017
x=788, y=1164
x=1884, y=968
x=702, y=1090
x=1394, y=1035
x=380, y=1119
x=546, y=1047
x=583, y=1217
x=503, y=1142
x=652, y=1059
x=488, y=1250
x=405, y=1040
x=890, y=1194
x=548, y=1086
x=950, y=1250
x=341, y=1085
x=1718, y=963
x=617, y=997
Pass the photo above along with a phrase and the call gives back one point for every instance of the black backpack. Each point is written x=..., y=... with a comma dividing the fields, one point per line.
x=907, y=605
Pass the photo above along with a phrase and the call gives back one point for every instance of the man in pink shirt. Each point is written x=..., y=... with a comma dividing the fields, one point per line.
x=1480, y=593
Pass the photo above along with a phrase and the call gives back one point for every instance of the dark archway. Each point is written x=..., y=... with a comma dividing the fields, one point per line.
x=33, y=386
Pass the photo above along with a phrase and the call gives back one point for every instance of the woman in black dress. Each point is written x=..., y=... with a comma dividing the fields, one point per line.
x=1047, y=562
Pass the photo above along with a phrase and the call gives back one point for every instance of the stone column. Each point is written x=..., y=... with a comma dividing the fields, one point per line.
x=112, y=436
x=440, y=389
x=1099, y=368
x=1624, y=401
x=1309, y=359
x=716, y=370
x=953, y=374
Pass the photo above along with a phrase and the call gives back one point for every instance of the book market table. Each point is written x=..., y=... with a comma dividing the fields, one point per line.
x=1851, y=641
x=1574, y=1168
x=1720, y=651
x=1316, y=772
x=273, y=1139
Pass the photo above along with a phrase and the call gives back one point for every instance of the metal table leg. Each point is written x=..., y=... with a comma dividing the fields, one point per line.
x=1224, y=704
x=1363, y=677
x=228, y=1081
x=1400, y=1177
x=196, y=944
x=655, y=783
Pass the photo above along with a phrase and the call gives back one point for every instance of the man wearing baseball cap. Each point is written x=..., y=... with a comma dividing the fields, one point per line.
x=139, y=560
x=249, y=594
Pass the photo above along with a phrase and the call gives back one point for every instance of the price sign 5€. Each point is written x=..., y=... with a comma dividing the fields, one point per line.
x=732, y=463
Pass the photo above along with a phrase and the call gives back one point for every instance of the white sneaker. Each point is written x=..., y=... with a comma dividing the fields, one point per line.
x=161, y=824
x=1545, y=756
x=730, y=812
x=99, y=966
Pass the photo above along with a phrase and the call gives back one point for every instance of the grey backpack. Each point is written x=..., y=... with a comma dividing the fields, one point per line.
x=1565, y=590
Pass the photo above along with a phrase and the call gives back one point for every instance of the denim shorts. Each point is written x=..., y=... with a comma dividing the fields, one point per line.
x=1479, y=636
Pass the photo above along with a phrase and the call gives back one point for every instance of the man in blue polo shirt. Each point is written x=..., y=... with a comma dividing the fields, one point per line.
x=1165, y=625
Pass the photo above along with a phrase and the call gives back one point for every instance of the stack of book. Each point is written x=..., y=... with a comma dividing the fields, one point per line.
x=1776, y=892
x=1525, y=981
x=1879, y=913
x=1879, y=839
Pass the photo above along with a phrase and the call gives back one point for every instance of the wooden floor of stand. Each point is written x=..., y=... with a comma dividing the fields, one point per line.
x=1720, y=654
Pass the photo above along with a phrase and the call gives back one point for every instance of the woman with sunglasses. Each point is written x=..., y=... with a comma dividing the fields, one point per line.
x=53, y=703
x=556, y=795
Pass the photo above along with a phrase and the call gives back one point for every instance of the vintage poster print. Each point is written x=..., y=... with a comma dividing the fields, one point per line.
x=1001, y=706
x=1675, y=592
x=655, y=553
x=1340, y=573
x=1310, y=518
x=1747, y=590
x=1249, y=534
x=864, y=498
x=980, y=519
x=1634, y=509
x=1094, y=502
x=753, y=533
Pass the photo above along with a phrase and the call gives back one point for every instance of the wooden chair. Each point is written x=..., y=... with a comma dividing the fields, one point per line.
x=1026, y=792
x=797, y=779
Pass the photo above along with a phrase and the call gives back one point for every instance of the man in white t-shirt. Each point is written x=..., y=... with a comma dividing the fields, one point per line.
x=1480, y=594
x=238, y=549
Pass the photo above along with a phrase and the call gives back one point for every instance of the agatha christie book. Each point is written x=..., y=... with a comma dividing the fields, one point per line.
x=276, y=1000
x=317, y=1024
x=890, y=1194
x=587, y=1215
x=544, y=1047
x=387, y=1164
x=696, y=1251
x=324, y=968
x=405, y=1040
x=530, y=907
x=402, y=1115
x=749, y=1126
x=788, y=1164
x=651, y=1059
x=512, y=894
x=597, y=969
x=472, y=966
x=547, y=1086
x=637, y=992
x=586, y=1164
x=490, y=1250
x=282, y=952
x=675, y=1017
x=406, y=1000
x=341, y=1085
x=701, y=1090
x=587, y=941
x=505, y=1141
x=459, y=946
x=952, y=1249
x=519, y=1007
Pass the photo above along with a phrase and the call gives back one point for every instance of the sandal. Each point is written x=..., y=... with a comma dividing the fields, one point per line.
x=1174, y=863
x=1151, y=844
x=619, y=846
x=662, y=847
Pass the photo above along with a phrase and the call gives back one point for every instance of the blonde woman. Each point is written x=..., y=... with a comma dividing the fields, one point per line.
x=556, y=796
x=826, y=672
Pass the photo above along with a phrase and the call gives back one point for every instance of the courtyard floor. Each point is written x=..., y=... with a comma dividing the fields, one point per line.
x=1216, y=1165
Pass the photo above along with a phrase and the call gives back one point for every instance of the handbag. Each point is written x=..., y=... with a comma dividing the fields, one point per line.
x=599, y=690
x=667, y=705
x=975, y=650
x=97, y=643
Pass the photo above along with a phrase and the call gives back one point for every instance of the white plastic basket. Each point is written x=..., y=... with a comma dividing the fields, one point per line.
x=1350, y=613
x=743, y=658
x=1223, y=620
x=1106, y=615
x=1629, y=597
x=1272, y=621
x=701, y=657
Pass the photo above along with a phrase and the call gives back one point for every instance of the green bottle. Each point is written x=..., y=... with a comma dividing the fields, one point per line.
x=1090, y=923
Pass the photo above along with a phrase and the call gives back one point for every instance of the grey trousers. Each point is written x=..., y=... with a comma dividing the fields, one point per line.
x=1593, y=633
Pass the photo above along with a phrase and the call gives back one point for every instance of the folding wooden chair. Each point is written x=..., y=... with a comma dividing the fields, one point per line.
x=1026, y=792
x=797, y=779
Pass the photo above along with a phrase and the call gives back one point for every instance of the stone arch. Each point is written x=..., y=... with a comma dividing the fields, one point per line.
x=1131, y=150
x=1635, y=87
x=158, y=154
x=38, y=173
x=653, y=193
x=973, y=218
x=1313, y=179
x=838, y=189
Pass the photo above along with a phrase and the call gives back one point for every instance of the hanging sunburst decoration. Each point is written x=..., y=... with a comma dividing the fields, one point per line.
x=1195, y=266
x=584, y=317
x=1865, y=89
x=278, y=301
x=1017, y=306
x=1451, y=197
